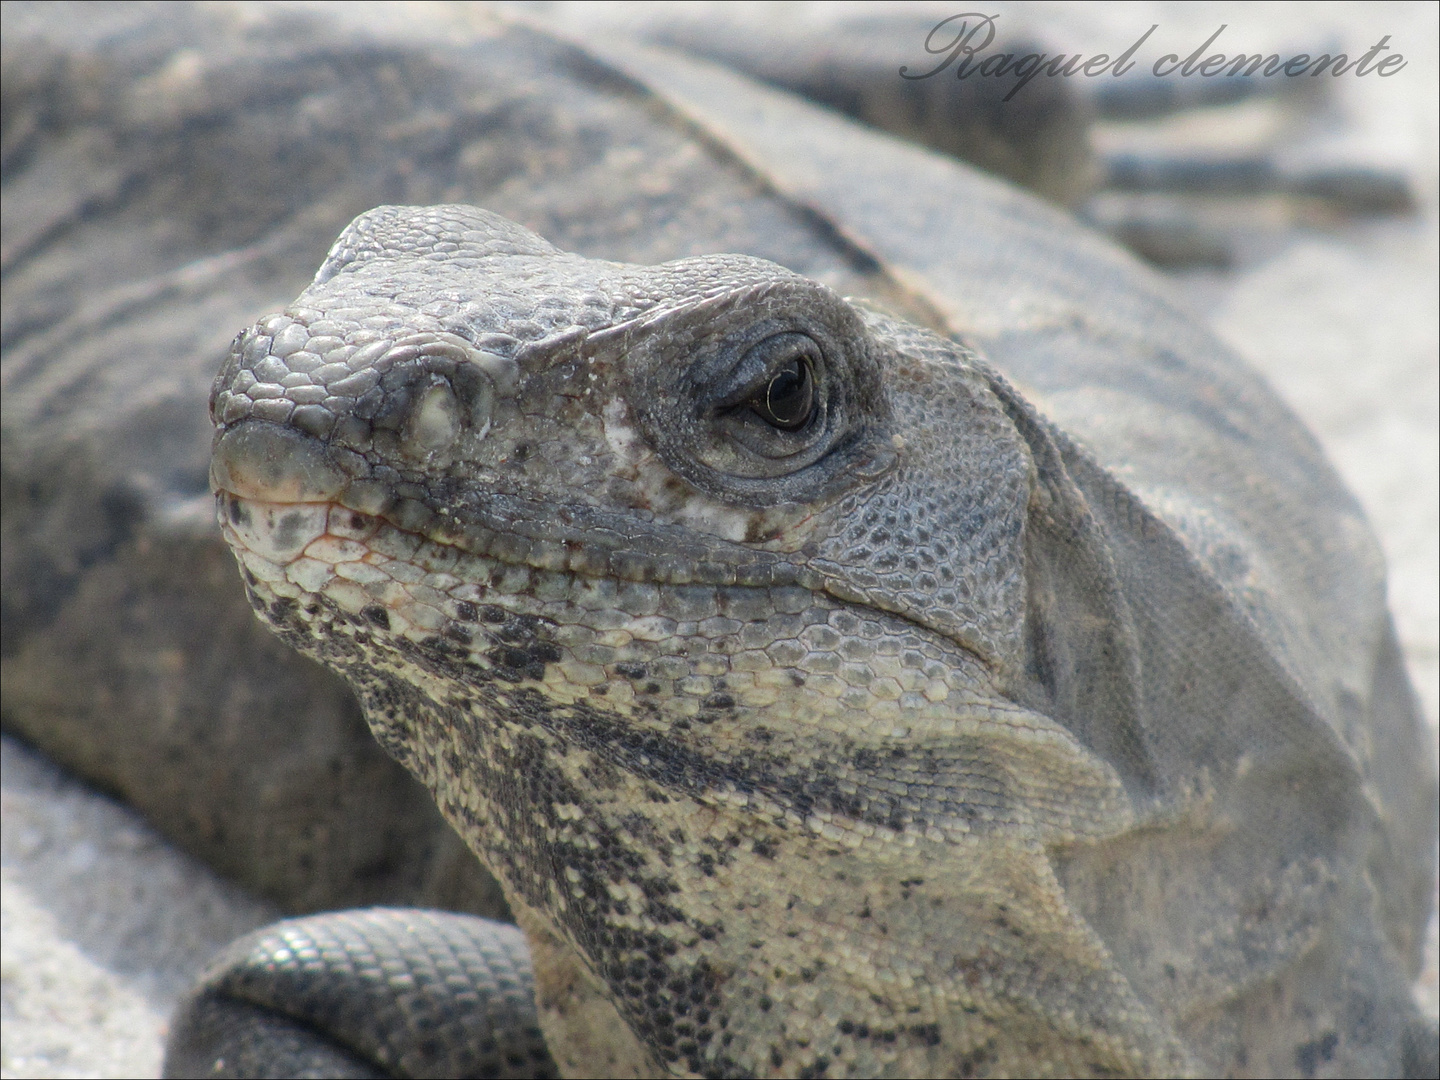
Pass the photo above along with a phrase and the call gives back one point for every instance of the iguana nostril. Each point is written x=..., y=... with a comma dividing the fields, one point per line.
x=435, y=421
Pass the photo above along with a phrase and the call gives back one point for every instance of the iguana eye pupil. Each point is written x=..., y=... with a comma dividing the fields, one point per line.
x=789, y=399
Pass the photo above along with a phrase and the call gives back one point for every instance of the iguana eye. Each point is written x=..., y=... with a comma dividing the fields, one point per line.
x=788, y=400
x=785, y=391
x=761, y=395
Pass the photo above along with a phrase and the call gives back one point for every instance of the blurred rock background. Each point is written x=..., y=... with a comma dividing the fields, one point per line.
x=104, y=923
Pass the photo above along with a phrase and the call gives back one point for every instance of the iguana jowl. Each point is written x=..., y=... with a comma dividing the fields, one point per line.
x=823, y=708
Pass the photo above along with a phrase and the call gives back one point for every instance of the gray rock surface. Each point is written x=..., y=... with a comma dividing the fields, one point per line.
x=103, y=924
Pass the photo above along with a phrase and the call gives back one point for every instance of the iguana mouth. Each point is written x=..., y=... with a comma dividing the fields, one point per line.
x=297, y=490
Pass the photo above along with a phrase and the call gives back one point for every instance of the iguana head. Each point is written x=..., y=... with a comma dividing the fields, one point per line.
x=715, y=421
x=698, y=596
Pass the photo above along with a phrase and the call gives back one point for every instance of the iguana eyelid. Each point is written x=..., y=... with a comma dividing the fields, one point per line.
x=765, y=359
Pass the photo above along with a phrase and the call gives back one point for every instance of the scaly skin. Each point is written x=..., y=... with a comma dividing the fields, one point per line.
x=787, y=717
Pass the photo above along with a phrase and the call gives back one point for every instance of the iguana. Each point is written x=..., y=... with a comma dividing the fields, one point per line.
x=822, y=706
x=914, y=284
x=822, y=703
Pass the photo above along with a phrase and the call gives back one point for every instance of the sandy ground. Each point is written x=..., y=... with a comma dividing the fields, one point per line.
x=104, y=923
